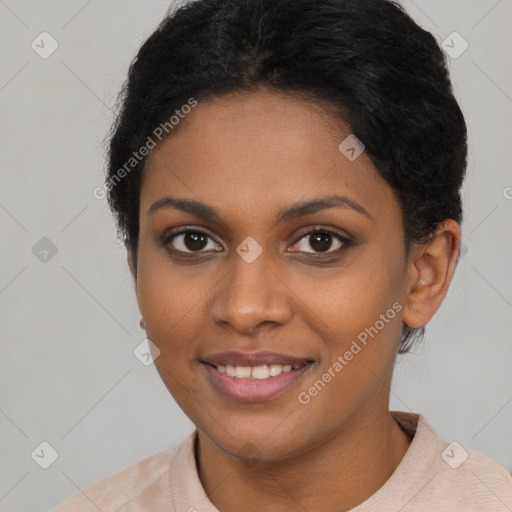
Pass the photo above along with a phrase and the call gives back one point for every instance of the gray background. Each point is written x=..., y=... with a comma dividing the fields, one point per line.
x=69, y=325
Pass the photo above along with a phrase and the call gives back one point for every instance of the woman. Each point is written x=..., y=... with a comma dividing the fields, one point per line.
x=286, y=177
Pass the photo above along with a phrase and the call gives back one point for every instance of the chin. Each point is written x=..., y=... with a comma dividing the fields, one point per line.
x=251, y=443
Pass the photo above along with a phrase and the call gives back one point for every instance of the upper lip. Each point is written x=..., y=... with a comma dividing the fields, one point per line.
x=236, y=358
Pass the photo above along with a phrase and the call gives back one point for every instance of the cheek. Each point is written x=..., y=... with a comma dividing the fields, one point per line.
x=358, y=320
x=356, y=312
x=166, y=290
x=351, y=298
x=168, y=302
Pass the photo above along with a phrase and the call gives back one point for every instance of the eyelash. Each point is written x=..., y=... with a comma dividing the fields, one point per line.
x=176, y=253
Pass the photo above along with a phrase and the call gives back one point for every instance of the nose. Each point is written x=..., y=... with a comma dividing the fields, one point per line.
x=251, y=295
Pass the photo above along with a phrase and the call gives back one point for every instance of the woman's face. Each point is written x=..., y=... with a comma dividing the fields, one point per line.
x=254, y=281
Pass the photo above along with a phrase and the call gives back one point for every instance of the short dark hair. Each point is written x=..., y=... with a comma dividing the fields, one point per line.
x=381, y=73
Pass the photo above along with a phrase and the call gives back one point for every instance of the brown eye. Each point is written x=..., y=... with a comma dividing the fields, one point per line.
x=322, y=241
x=190, y=241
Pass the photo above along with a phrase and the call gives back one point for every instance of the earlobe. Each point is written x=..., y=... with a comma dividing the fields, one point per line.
x=430, y=271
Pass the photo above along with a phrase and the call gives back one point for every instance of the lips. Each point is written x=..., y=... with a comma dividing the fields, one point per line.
x=254, y=376
x=254, y=390
x=237, y=358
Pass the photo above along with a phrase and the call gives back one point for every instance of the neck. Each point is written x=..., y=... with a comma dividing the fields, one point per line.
x=336, y=476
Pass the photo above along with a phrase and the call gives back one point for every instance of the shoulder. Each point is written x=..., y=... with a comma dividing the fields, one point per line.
x=135, y=482
x=435, y=473
x=473, y=480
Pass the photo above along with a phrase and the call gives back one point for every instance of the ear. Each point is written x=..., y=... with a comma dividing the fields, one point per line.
x=430, y=271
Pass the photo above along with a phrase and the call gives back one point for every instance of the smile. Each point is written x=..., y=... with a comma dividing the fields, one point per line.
x=264, y=371
x=254, y=383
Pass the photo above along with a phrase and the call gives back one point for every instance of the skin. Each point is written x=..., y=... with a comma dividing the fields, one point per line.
x=249, y=155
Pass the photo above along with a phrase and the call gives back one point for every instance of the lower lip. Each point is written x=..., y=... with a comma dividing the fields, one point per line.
x=254, y=390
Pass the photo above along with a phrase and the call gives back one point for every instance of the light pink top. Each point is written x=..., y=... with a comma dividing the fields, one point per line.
x=432, y=476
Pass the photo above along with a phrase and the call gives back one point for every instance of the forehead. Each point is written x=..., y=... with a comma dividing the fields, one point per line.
x=252, y=149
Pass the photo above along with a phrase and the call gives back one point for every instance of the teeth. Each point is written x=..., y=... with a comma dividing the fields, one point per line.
x=264, y=371
x=242, y=371
x=260, y=372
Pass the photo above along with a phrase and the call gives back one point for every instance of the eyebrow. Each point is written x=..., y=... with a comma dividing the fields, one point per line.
x=287, y=214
